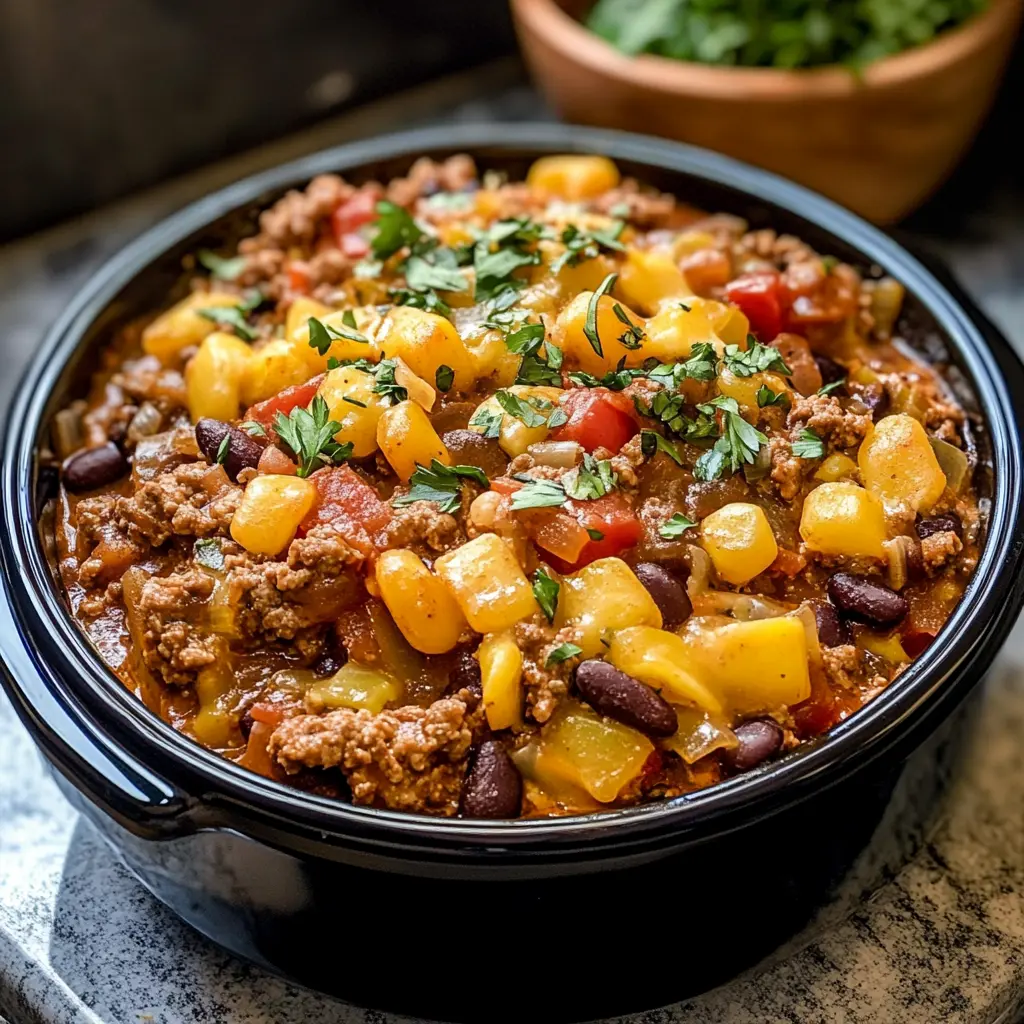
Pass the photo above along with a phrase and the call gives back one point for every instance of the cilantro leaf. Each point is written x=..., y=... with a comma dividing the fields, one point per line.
x=253, y=429
x=765, y=396
x=594, y=534
x=224, y=268
x=489, y=420
x=208, y=552
x=634, y=333
x=563, y=652
x=590, y=324
x=593, y=479
x=444, y=377
x=310, y=435
x=422, y=276
x=223, y=449
x=525, y=340
x=385, y=384
x=318, y=336
x=652, y=442
x=757, y=358
x=739, y=443
x=545, y=590
x=501, y=251
x=809, y=445
x=538, y=494
x=395, y=230
x=827, y=389
x=520, y=408
x=229, y=316
x=675, y=526
x=441, y=484
x=583, y=245
x=613, y=380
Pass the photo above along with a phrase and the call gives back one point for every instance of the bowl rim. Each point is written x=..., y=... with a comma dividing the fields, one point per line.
x=576, y=44
x=109, y=713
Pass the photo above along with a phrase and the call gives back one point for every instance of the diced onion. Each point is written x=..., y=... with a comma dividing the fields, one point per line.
x=560, y=454
x=700, y=733
x=805, y=613
x=953, y=462
x=68, y=432
x=145, y=422
x=419, y=390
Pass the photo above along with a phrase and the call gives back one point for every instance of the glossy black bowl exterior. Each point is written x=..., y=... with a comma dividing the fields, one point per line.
x=607, y=912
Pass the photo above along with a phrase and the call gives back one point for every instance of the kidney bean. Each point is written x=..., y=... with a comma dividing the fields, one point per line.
x=243, y=452
x=331, y=658
x=916, y=641
x=865, y=600
x=465, y=674
x=95, y=467
x=668, y=592
x=611, y=692
x=946, y=522
x=759, y=740
x=493, y=787
x=829, y=369
x=832, y=631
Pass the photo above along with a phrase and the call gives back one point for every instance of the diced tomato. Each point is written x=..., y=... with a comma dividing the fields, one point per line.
x=598, y=418
x=351, y=215
x=652, y=769
x=760, y=298
x=268, y=714
x=298, y=277
x=503, y=485
x=916, y=641
x=789, y=563
x=823, y=709
x=612, y=524
x=556, y=532
x=346, y=500
x=265, y=412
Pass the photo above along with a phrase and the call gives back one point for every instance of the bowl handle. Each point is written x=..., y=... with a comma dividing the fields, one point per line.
x=93, y=764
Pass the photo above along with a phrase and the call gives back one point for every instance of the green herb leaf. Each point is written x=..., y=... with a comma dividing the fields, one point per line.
x=634, y=333
x=538, y=494
x=395, y=230
x=444, y=377
x=488, y=420
x=422, y=276
x=593, y=479
x=757, y=358
x=224, y=268
x=520, y=408
x=384, y=381
x=594, y=534
x=583, y=245
x=502, y=250
x=224, y=449
x=545, y=590
x=765, y=396
x=675, y=526
x=252, y=428
x=441, y=484
x=557, y=418
x=525, y=340
x=809, y=445
x=563, y=652
x=207, y=551
x=310, y=435
x=229, y=316
x=652, y=442
x=827, y=389
x=590, y=324
x=739, y=443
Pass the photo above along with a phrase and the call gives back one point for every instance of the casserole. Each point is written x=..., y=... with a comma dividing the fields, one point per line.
x=269, y=872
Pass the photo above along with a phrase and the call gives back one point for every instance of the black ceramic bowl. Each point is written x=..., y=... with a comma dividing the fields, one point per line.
x=570, y=918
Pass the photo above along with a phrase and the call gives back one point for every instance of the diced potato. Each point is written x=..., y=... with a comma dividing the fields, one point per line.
x=836, y=466
x=275, y=366
x=582, y=748
x=408, y=439
x=425, y=341
x=739, y=539
x=501, y=674
x=843, y=519
x=488, y=583
x=352, y=402
x=601, y=598
x=181, y=326
x=898, y=465
x=691, y=241
x=270, y=512
x=663, y=661
x=726, y=320
x=355, y=686
x=745, y=389
x=514, y=435
x=299, y=312
x=751, y=666
x=681, y=324
x=368, y=322
x=546, y=786
x=568, y=334
x=649, y=279
x=492, y=359
x=585, y=276
x=419, y=602
x=215, y=377
x=573, y=176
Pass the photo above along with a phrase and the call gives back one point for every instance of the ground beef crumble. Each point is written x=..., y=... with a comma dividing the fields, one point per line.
x=174, y=647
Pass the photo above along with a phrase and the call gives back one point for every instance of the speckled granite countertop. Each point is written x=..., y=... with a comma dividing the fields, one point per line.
x=81, y=942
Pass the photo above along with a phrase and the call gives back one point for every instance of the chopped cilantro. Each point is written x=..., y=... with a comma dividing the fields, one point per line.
x=230, y=316
x=563, y=652
x=422, y=275
x=652, y=442
x=384, y=380
x=538, y=494
x=593, y=479
x=827, y=389
x=310, y=435
x=224, y=268
x=594, y=534
x=395, y=230
x=590, y=325
x=224, y=450
x=739, y=443
x=634, y=333
x=520, y=408
x=757, y=358
x=488, y=420
x=809, y=445
x=525, y=340
x=675, y=526
x=441, y=484
x=444, y=377
x=502, y=250
x=545, y=590
x=253, y=429
x=583, y=245
x=765, y=396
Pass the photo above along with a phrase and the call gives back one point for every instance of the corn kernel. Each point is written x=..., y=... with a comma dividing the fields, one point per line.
x=275, y=366
x=569, y=334
x=751, y=666
x=843, y=519
x=270, y=512
x=501, y=674
x=182, y=326
x=419, y=602
x=740, y=541
x=573, y=177
x=488, y=583
x=898, y=465
x=408, y=439
x=648, y=279
x=353, y=403
x=514, y=436
x=215, y=377
x=603, y=597
x=662, y=660
x=426, y=342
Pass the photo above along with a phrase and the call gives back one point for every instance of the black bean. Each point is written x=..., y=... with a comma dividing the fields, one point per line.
x=465, y=674
x=493, y=787
x=47, y=484
x=668, y=592
x=759, y=740
x=243, y=452
x=829, y=369
x=865, y=600
x=947, y=522
x=832, y=630
x=468, y=448
x=95, y=467
x=331, y=658
x=611, y=692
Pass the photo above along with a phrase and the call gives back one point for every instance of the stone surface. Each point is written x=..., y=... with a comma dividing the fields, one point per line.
x=81, y=942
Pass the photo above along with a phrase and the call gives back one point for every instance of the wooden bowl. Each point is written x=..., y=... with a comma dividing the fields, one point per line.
x=880, y=144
